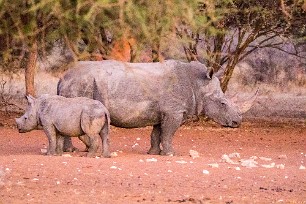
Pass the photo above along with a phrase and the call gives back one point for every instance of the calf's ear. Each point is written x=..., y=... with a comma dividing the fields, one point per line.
x=30, y=99
x=210, y=73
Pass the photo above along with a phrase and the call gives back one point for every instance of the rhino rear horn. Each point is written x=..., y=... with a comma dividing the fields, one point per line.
x=245, y=104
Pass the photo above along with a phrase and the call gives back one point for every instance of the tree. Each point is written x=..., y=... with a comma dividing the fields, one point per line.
x=242, y=28
x=24, y=25
x=31, y=28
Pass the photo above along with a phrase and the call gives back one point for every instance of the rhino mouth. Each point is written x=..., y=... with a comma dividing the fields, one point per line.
x=21, y=131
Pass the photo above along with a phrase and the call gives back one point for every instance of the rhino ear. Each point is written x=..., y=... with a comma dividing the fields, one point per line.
x=30, y=99
x=210, y=73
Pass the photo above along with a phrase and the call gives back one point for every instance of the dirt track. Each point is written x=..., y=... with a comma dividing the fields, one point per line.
x=27, y=176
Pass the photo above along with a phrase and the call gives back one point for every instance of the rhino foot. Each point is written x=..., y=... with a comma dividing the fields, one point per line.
x=154, y=151
x=167, y=153
x=91, y=154
x=71, y=149
x=106, y=155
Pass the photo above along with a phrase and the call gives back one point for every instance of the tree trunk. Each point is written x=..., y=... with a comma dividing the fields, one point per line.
x=156, y=52
x=30, y=70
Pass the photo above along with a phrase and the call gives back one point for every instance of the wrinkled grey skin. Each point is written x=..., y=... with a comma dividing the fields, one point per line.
x=74, y=117
x=162, y=95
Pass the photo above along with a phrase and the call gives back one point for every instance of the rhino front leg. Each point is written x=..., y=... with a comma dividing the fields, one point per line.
x=68, y=146
x=169, y=126
x=155, y=140
x=51, y=134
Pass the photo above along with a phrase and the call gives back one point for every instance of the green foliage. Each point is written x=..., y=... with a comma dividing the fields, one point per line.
x=88, y=27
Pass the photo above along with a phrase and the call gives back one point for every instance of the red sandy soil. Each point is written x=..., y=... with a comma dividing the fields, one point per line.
x=28, y=176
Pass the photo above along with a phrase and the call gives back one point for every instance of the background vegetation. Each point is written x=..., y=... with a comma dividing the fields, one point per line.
x=219, y=33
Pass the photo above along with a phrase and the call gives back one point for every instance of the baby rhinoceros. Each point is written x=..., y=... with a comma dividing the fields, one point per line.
x=74, y=117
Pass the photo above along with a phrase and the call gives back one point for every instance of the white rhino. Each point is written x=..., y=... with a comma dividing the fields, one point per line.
x=74, y=117
x=162, y=95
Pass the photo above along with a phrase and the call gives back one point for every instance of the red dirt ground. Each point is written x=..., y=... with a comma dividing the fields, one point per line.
x=27, y=176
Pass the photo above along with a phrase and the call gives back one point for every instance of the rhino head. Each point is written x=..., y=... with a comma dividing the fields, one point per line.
x=28, y=121
x=216, y=106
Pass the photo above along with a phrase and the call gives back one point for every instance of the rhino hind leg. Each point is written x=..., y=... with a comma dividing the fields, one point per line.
x=68, y=146
x=86, y=140
x=104, y=134
x=94, y=145
x=59, y=144
x=155, y=140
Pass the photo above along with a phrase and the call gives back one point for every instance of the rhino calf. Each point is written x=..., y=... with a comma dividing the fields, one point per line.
x=74, y=117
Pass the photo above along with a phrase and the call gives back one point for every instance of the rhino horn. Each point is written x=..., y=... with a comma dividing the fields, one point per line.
x=245, y=104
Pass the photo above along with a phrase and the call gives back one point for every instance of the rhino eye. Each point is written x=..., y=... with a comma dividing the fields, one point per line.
x=223, y=104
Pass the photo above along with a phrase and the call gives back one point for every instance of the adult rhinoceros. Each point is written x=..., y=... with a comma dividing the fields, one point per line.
x=162, y=95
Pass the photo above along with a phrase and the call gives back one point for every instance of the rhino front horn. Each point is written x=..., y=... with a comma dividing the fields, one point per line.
x=245, y=104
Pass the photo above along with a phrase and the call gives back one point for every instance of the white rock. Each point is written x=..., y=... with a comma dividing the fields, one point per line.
x=35, y=179
x=302, y=167
x=114, y=154
x=194, y=154
x=205, y=172
x=237, y=168
x=249, y=163
x=140, y=160
x=138, y=138
x=44, y=151
x=151, y=160
x=214, y=165
x=181, y=162
x=66, y=155
x=268, y=166
x=280, y=166
x=136, y=144
x=283, y=156
x=265, y=158
x=113, y=167
x=234, y=155
x=227, y=159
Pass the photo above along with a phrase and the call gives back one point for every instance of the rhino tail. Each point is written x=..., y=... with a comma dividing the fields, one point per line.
x=96, y=94
x=106, y=126
x=105, y=135
x=58, y=86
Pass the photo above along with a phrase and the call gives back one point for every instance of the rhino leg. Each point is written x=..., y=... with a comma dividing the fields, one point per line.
x=86, y=140
x=155, y=140
x=94, y=145
x=104, y=134
x=51, y=134
x=68, y=146
x=59, y=144
x=169, y=126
